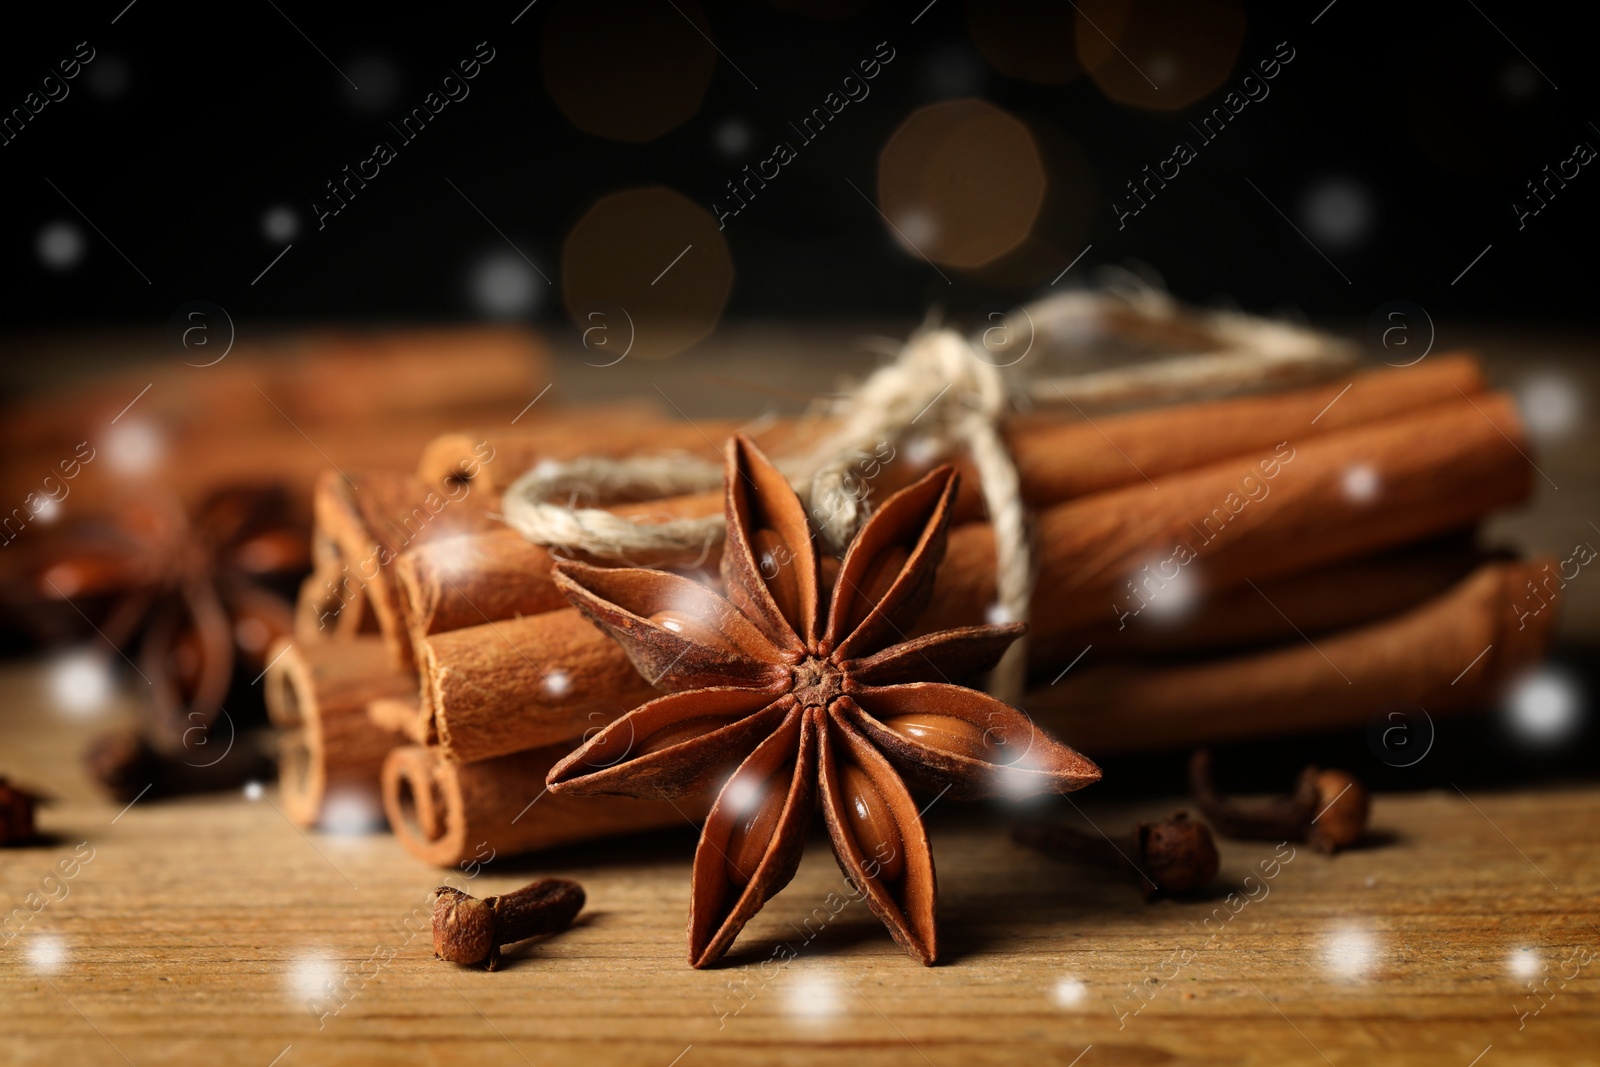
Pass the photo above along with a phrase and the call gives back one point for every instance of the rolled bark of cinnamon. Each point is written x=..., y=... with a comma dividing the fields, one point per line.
x=470, y=579
x=1434, y=471
x=318, y=696
x=1335, y=497
x=1332, y=598
x=1455, y=652
x=444, y=813
x=498, y=574
x=370, y=517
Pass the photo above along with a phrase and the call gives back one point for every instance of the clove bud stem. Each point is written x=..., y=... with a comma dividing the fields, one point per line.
x=1328, y=808
x=470, y=931
x=1176, y=855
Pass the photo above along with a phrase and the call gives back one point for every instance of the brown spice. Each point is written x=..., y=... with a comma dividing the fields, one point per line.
x=1328, y=809
x=1176, y=855
x=471, y=931
x=126, y=765
x=807, y=701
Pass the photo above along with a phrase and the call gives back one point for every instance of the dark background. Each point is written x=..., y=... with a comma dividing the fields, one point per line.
x=194, y=120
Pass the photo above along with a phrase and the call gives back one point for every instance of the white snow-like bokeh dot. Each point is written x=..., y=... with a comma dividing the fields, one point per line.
x=503, y=285
x=998, y=615
x=1360, y=483
x=914, y=230
x=80, y=681
x=1524, y=963
x=1551, y=405
x=812, y=996
x=134, y=446
x=1166, y=600
x=1337, y=213
x=60, y=245
x=49, y=510
x=1544, y=707
x=742, y=796
x=280, y=224
x=733, y=138
x=1350, y=951
x=309, y=976
x=351, y=813
x=557, y=683
x=922, y=450
x=253, y=791
x=47, y=953
x=1070, y=992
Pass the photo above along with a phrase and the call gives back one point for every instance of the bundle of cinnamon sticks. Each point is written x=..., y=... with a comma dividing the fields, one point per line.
x=1208, y=571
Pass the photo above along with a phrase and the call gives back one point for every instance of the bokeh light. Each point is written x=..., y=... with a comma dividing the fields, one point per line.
x=280, y=224
x=351, y=813
x=60, y=245
x=46, y=953
x=1524, y=963
x=1027, y=40
x=503, y=285
x=80, y=681
x=629, y=70
x=1360, y=483
x=1159, y=54
x=812, y=996
x=1070, y=992
x=961, y=182
x=732, y=138
x=1349, y=951
x=1544, y=707
x=658, y=256
x=1337, y=213
x=1551, y=405
x=134, y=446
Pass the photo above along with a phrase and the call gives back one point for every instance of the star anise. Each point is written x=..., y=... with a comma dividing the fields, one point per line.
x=798, y=697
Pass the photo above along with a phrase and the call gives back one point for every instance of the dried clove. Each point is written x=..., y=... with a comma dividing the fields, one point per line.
x=1176, y=855
x=16, y=814
x=126, y=765
x=470, y=931
x=1327, y=810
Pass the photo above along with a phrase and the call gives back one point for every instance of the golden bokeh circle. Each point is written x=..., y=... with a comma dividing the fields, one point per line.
x=629, y=70
x=1159, y=54
x=653, y=265
x=961, y=182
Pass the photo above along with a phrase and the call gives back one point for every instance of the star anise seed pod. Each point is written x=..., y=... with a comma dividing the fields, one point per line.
x=806, y=702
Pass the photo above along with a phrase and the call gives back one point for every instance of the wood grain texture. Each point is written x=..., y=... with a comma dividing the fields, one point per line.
x=203, y=931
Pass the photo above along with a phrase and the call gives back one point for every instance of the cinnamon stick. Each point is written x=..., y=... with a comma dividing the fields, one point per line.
x=498, y=575
x=1436, y=471
x=318, y=695
x=1415, y=476
x=370, y=517
x=444, y=813
x=1427, y=657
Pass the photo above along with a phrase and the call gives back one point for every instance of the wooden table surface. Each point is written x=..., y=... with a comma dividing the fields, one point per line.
x=211, y=931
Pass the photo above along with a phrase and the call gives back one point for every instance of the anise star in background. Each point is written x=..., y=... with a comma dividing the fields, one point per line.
x=758, y=682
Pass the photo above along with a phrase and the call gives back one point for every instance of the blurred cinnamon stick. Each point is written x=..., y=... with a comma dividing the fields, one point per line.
x=329, y=747
x=444, y=813
x=1427, y=657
